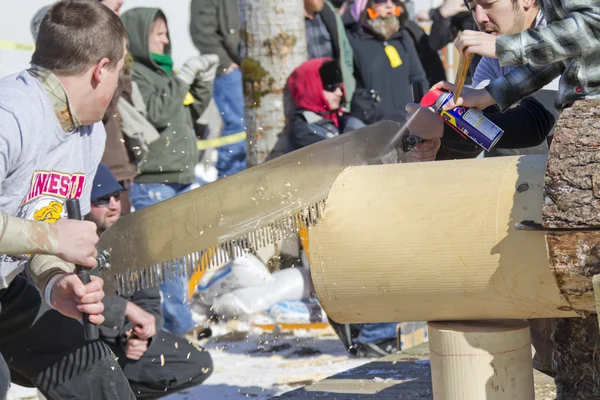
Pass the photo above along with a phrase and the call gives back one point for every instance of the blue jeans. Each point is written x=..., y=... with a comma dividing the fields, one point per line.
x=229, y=97
x=376, y=333
x=175, y=307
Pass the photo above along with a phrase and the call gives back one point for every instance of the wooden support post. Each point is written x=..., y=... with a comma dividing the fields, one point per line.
x=477, y=360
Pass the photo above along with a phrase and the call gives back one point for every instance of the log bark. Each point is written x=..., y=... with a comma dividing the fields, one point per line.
x=571, y=203
x=273, y=45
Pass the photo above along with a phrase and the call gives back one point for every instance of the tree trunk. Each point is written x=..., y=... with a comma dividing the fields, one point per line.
x=572, y=201
x=273, y=45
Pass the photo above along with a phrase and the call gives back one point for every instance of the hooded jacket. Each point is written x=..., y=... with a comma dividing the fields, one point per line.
x=306, y=89
x=173, y=157
x=313, y=119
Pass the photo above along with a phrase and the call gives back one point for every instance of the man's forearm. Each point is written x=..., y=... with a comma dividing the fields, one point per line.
x=20, y=236
x=521, y=82
x=41, y=268
x=526, y=125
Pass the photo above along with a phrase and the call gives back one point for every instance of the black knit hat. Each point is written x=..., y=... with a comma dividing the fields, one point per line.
x=331, y=73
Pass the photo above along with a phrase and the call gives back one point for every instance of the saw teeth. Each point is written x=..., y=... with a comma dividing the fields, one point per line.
x=220, y=254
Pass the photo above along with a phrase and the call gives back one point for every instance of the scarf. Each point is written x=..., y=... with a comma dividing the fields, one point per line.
x=384, y=26
x=165, y=61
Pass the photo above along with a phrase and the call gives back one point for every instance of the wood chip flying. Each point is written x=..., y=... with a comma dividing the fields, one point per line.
x=162, y=360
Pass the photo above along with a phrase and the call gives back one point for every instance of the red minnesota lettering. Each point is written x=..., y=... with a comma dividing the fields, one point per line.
x=55, y=184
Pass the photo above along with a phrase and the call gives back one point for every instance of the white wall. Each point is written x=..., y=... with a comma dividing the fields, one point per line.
x=14, y=26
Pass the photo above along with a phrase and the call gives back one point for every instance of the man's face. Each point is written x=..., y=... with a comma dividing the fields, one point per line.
x=334, y=97
x=159, y=36
x=314, y=6
x=105, y=89
x=498, y=17
x=105, y=211
x=114, y=5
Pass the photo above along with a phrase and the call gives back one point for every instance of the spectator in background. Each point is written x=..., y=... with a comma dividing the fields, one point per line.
x=113, y=5
x=326, y=37
x=448, y=20
x=133, y=324
x=215, y=29
x=317, y=88
x=117, y=155
x=385, y=56
x=173, y=102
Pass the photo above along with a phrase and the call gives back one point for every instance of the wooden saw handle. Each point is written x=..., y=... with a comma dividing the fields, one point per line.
x=461, y=74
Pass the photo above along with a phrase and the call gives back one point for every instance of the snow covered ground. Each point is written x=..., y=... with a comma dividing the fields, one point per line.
x=251, y=364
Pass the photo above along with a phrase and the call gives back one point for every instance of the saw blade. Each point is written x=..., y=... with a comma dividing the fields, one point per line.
x=216, y=223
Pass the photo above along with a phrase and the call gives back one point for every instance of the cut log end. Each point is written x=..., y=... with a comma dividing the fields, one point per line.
x=572, y=201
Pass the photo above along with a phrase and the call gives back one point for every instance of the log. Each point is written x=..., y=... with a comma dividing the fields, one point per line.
x=571, y=203
x=435, y=241
x=477, y=360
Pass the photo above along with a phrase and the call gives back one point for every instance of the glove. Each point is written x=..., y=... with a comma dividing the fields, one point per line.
x=209, y=74
x=192, y=67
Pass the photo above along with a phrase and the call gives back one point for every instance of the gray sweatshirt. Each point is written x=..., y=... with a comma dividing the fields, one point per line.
x=41, y=165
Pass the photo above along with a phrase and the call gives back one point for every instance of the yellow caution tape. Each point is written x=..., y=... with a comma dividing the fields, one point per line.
x=221, y=141
x=5, y=44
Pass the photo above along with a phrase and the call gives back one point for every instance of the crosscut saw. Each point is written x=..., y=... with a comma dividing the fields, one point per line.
x=211, y=225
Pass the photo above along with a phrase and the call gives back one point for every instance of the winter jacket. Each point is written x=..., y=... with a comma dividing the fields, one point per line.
x=215, y=29
x=342, y=50
x=445, y=30
x=172, y=158
x=432, y=63
x=373, y=70
x=115, y=323
x=116, y=155
x=309, y=127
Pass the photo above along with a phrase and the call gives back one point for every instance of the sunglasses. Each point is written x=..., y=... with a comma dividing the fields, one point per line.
x=332, y=87
x=104, y=201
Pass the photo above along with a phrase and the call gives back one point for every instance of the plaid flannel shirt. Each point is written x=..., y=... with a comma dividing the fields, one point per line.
x=568, y=45
x=318, y=38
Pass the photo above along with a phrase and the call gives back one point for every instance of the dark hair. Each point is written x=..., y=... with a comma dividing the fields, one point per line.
x=74, y=35
x=515, y=3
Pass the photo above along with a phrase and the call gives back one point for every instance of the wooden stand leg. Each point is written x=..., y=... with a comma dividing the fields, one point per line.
x=476, y=360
